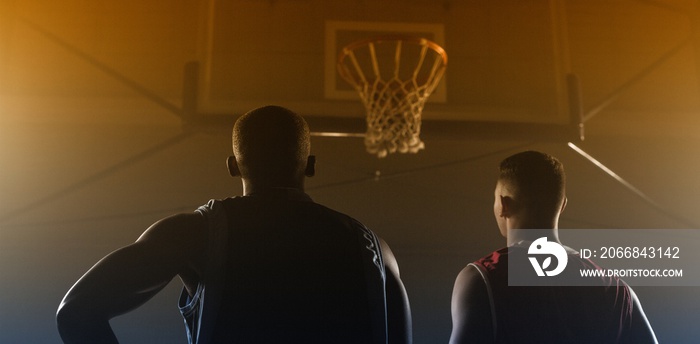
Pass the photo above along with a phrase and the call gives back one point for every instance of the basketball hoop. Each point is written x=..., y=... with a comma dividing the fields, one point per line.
x=394, y=91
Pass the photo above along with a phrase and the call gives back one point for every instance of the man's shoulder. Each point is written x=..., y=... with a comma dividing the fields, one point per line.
x=341, y=215
x=182, y=227
x=493, y=260
x=327, y=212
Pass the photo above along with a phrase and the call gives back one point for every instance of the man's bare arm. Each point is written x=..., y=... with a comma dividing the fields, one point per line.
x=471, y=309
x=127, y=278
x=640, y=331
x=399, y=320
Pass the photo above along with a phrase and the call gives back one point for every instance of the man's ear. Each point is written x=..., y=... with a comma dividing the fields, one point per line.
x=507, y=206
x=563, y=205
x=232, y=166
x=310, y=170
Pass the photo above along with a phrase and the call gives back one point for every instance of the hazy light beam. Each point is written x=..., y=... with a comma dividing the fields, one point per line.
x=631, y=187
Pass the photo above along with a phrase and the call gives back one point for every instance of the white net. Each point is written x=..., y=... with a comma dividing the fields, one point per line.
x=395, y=91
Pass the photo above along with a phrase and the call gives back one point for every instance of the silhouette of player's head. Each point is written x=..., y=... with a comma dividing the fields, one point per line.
x=271, y=146
x=532, y=185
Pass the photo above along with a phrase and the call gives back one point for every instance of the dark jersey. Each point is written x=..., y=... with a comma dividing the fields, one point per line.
x=292, y=271
x=554, y=314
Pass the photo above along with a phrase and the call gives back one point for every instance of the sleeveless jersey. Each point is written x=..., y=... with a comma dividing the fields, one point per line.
x=554, y=314
x=285, y=269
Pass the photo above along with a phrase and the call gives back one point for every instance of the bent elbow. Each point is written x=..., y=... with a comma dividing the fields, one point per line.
x=67, y=319
x=74, y=322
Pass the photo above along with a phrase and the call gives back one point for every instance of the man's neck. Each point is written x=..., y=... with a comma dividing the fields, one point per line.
x=516, y=235
x=250, y=187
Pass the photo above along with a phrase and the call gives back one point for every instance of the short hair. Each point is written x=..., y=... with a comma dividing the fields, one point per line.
x=537, y=179
x=271, y=142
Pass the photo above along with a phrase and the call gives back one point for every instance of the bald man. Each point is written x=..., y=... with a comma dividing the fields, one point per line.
x=270, y=266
